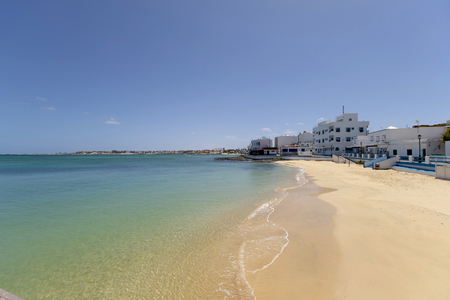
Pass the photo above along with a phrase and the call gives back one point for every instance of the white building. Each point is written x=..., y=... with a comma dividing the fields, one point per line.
x=295, y=145
x=285, y=140
x=306, y=138
x=261, y=143
x=295, y=150
x=305, y=143
x=402, y=141
x=336, y=137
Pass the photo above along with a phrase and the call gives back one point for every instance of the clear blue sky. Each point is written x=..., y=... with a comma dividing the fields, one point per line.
x=153, y=75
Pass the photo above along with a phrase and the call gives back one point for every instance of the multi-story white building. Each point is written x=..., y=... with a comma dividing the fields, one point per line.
x=337, y=137
x=420, y=140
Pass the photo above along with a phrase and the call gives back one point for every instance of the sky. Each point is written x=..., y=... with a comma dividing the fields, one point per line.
x=179, y=75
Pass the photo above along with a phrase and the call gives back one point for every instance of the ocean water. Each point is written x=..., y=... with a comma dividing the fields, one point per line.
x=137, y=226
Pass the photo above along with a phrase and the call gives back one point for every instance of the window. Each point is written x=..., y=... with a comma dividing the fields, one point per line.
x=378, y=138
x=350, y=119
x=371, y=138
x=353, y=128
x=338, y=129
x=326, y=130
x=338, y=139
x=347, y=129
x=323, y=132
x=337, y=149
x=349, y=139
x=361, y=129
x=323, y=140
x=394, y=152
x=331, y=128
x=408, y=151
x=383, y=137
x=326, y=139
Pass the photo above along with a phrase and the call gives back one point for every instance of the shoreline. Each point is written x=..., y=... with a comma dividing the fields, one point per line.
x=391, y=232
x=311, y=249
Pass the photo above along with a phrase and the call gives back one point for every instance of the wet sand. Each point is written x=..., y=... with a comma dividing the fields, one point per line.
x=308, y=265
x=372, y=235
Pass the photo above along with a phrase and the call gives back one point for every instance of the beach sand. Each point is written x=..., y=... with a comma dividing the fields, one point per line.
x=359, y=233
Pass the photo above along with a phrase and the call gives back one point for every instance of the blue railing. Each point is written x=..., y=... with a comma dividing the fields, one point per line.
x=417, y=159
x=441, y=160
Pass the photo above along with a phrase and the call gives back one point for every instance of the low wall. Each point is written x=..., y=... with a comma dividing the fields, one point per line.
x=273, y=157
x=443, y=172
x=339, y=159
x=386, y=164
x=313, y=157
x=419, y=166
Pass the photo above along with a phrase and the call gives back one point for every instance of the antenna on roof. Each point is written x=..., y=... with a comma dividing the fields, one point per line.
x=342, y=109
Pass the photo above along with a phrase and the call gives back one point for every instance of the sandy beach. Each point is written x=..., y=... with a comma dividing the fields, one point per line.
x=359, y=233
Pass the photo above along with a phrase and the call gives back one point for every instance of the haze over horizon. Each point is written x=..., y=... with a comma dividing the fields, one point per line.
x=173, y=75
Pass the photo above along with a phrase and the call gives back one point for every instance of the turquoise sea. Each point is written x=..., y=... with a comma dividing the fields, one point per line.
x=137, y=226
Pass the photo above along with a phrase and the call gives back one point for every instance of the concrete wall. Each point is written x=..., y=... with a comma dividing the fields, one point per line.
x=386, y=164
x=447, y=148
x=338, y=159
x=443, y=172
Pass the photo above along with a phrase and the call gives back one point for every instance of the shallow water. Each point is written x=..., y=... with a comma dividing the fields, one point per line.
x=136, y=226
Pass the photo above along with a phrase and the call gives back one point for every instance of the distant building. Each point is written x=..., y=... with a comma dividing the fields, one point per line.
x=306, y=138
x=285, y=140
x=294, y=145
x=216, y=151
x=296, y=150
x=261, y=143
x=336, y=137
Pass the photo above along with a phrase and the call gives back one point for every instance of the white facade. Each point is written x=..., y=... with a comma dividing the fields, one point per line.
x=295, y=145
x=272, y=151
x=305, y=138
x=333, y=137
x=402, y=141
x=261, y=143
x=296, y=151
x=285, y=140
